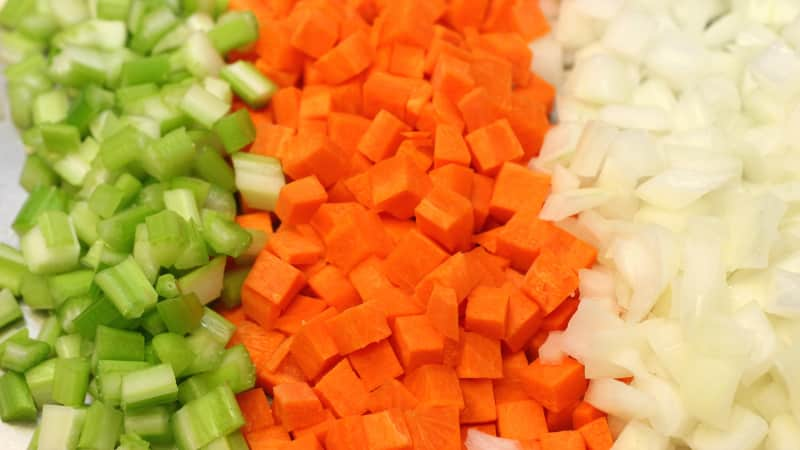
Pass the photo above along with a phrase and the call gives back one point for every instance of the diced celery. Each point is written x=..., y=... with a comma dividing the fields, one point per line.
x=194, y=6
x=153, y=324
x=167, y=286
x=152, y=195
x=236, y=130
x=172, y=349
x=218, y=326
x=12, y=273
x=71, y=381
x=249, y=83
x=91, y=101
x=85, y=221
x=232, y=286
x=105, y=201
x=219, y=88
x=102, y=427
x=234, y=29
x=71, y=284
x=20, y=99
x=60, y=427
x=78, y=66
x=44, y=198
x=172, y=40
x=117, y=345
x=9, y=308
x=71, y=310
x=15, y=46
x=16, y=401
x=113, y=9
x=196, y=253
x=206, y=419
x=143, y=254
x=50, y=107
x=182, y=202
x=200, y=56
x=21, y=355
x=207, y=350
x=69, y=12
x=50, y=331
x=60, y=137
x=165, y=234
x=129, y=96
x=35, y=292
x=97, y=33
x=101, y=312
x=202, y=106
x=221, y=201
x=181, y=314
x=211, y=166
x=204, y=282
x=40, y=26
x=69, y=346
x=149, y=387
x=130, y=441
x=109, y=374
x=151, y=424
x=40, y=381
x=119, y=232
x=73, y=168
x=169, y=156
x=258, y=241
x=52, y=245
x=36, y=173
x=128, y=288
x=233, y=441
x=192, y=388
x=122, y=148
x=14, y=10
x=152, y=27
x=235, y=370
x=199, y=188
x=223, y=235
x=259, y=179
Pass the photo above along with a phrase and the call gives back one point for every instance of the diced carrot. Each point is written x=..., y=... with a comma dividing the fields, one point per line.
x=299, y=200
x=414, y=257
x=446, y=112
x=446, y=45
x=549, y=282
x=560, y=420
x=434, y=428
x=585, y=413
x=313, y=348
x=410, y=23
x=450, y=147
x=574, y=252
x=398, y=185
x=286, y=106
x=347, y=433
x=255, y=409
x=391, y=395
x=270, y=438
x=349, y=58
x=296, y=248
x=297, y=406
x=384, y=91
x=417, y=342
x=523, y=238
x=513, y=184
x=368, y=9
x=261, y=221
x=420, y=156
x=480, y=357
x=458, y=272
x=331, y=215
x=382, y=137
x=537, y=341
x=555, y=386
x=407, y=61
x=272, y=140
x=345, y=130
x=319, y=431
x=274, y=280
x=315, y=33
x=487, y=308
x=376, y=364
x=479, y=109
x=318, y=126
x=342, y=391
x=357, y=327
x=361, y=188
x=466, y=13
x=274, y=46
x=597, y=435
x=387, y=430
x=447, y=218
x=452, y=77
x=235, y=315
x=307, y=442
x=491, y=268
x=435, y=385
x=333, y=287
x=493, y=145
x=479, y=403
x=299, y=311
x=314, y=154
x=455, y=177
x=563, y=440
x=348, y=243
x=523, y=320
x=482, y=187
x=509, y=390
x=495, y=74
x=442, y=311
x=347, y=98
x=280, y=355
x=393, y=302
x=511, y=47
x=368, y=278
x=558, y=319
x=282, y=78
x=521, y=420
x=315, y=103
x=396, y=228
x=523, y=16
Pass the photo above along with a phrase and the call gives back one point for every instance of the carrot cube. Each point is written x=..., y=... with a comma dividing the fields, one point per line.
x=255, y=409
x=457, y=272
x=467, y=13
x=507, y=390
x=347, y=433
x=420, y=155
x=523, y=320
x=387, y=430
x=450, y=147
x=559, y=319
x=299, y=200
x=382, y=137
x=495, y=76
x=480, y=357
x=345, y=130
x=391, y=395
x=300, y=310
x=316, y=103
x=493, y=145
x=414, y=257
x=376, y=364
x=333, y=287
x=307, y=442
x=559, y=420
x=258, y=308
x=482, y=187
x=574, y=253
x=455, y=177
x=530, y=120
x=407, y=61
x=360, y=187
x=549, y=282
x=297, y=406
x=393, y=302
x=434, y=428
x=515, y=188
x=487, y=308
x=563, y=440
x=442, y=311
x=384, y=91
x=523, y=237
x=479, y=108
x=274, y=280
x=555, y=387
x=296, y=248
x=447, y=218
x=479, y=403
x=342, y=391
x=435, y=385
x=585, y=413
x=417, y=342
x=315, y=33
x=313, y=347
x=521, y=420
x=452, y=77
x=270, y=438
x=398, y=185
x=286, y=107
x=261, y=221
x=312, y=153
x=319, y=431
x=368, y=278
x=357, y=327
x=349, y=58
x=597, y=435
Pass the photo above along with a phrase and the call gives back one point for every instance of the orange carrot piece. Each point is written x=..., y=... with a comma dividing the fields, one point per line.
x=511, y=47
x=357, y=327
x=270, y=438
x=255, y=409
x=295, y=248
x=414, y=257
x=560, y=420
x=314, y=33
x=447, y=218
x=450, y=147
x=522, y=16
x=597, y=435
x=280, y=355
x=409, y=23
x=555, y=386
x=261, y=221
x=514, y=364
x=491, y=268
x=299, y=311
x=297, y=406
x=272, y=140
x=420, y=155
x=349, y=58
x=315, y=103
x=376, y=364
x=398, y=185
x=260, y=344
x=342, y=391
x=396, y=228
x=466, y=13
x=235, y=315
x=286, y=106
x=523, y=238
x=521, y=420
x=313, y=348
x=384, y=91
x=393, y=302
x=559, y=319
x=479, y=109
x=345, y=130
x=574, y=252
x=507, y=390
x=446, y=112
x=332, y=286
x=442, y=311
x=479, y=403
x=495, y=74
x=479, y=357
x=435, y=385
x=434, y=428
x=307, y=442
x=274, y=280
x=482, y=187
x=455, y=177
x=299, y=200
x=407, y=61
x=549, y=282
x=319, y=431
x=312, y=153
x=493, y=145
x=274, y=46
x=417, y=342
x=391, y=395
x=563, y=440
x=452, y=77
x=347, y=97
x=387, y=430
x=382, y=137
x=523, y=320
x=487, y=308
x=368, y=278
x=331, y=215
x=347, y=433
x=515, y=188
x=458, y=272
x=585, y=413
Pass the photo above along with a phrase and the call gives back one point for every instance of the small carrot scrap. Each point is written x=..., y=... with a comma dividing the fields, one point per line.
x=479, y=405
x=342, y=391
x=555, y=386
x=297, y=406
x=376, y=364
x=521, y=420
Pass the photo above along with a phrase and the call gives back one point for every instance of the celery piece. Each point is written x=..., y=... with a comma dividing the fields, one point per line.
x=196, y=252
x=109, y=376
x=172, y=349
x=149, y=355
x=21, y=355
x=15, y=46
x=149, y=387
x=39, y=379
x=11, y=254
x=52, y=245
x=71, y=284
x=234, y=29
x=102, y=427
x=204, y=282
x=119, y=231
x=182, y=202
x=15, y=10
x=152, y=69
x=223, y=235
x=152, y=323
x=71, y=381
x=69, y=12
x=122, y=148
x=69, y=346
x=60, y=137
x=233, y=441
x=34, y=442
x=151, y=28
x=232, y=286
x=130, y=187
x=78, y=66
x=117, y=345
x=200, y=56
x=73, y=168
x=36, y=173
x=167, y=286
x=207, y=350
x=206, y=138
x=16, y=401
x=202, y=106
x=152, y=424
x=192, y=388
x=236, y=130
x=60, y=427
x=143, y=254
x=101, y=256
x=50, y=331
x=9, y=308
x=105, y=200
x=235, y=370
x=172, y=40
x=218, y=326
x=259, y=179
x=94, y=33
x=101, y=312
x=169, y=156
x=249, y=83
x=212, y=167
x=199, y=188
x=128, y=288
x=35, y=292
x=165, y=235
x=13, y=334
x=219, y=88
x=20, y=99
x=152, y=195
x=113, y=9
x=85, y=221
x=42, y=199
x=181, y=314
x=221, y=201
x=128, y=97
x=71, y=310
x=258, y=241
x=91, y=101
x=207, y=419
x=40, y=27
x=50, y=107
x=130, y=441
x=12, y=274
x=203, y=6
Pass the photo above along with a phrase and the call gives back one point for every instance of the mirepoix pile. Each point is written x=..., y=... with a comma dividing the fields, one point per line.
x=399, y=304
